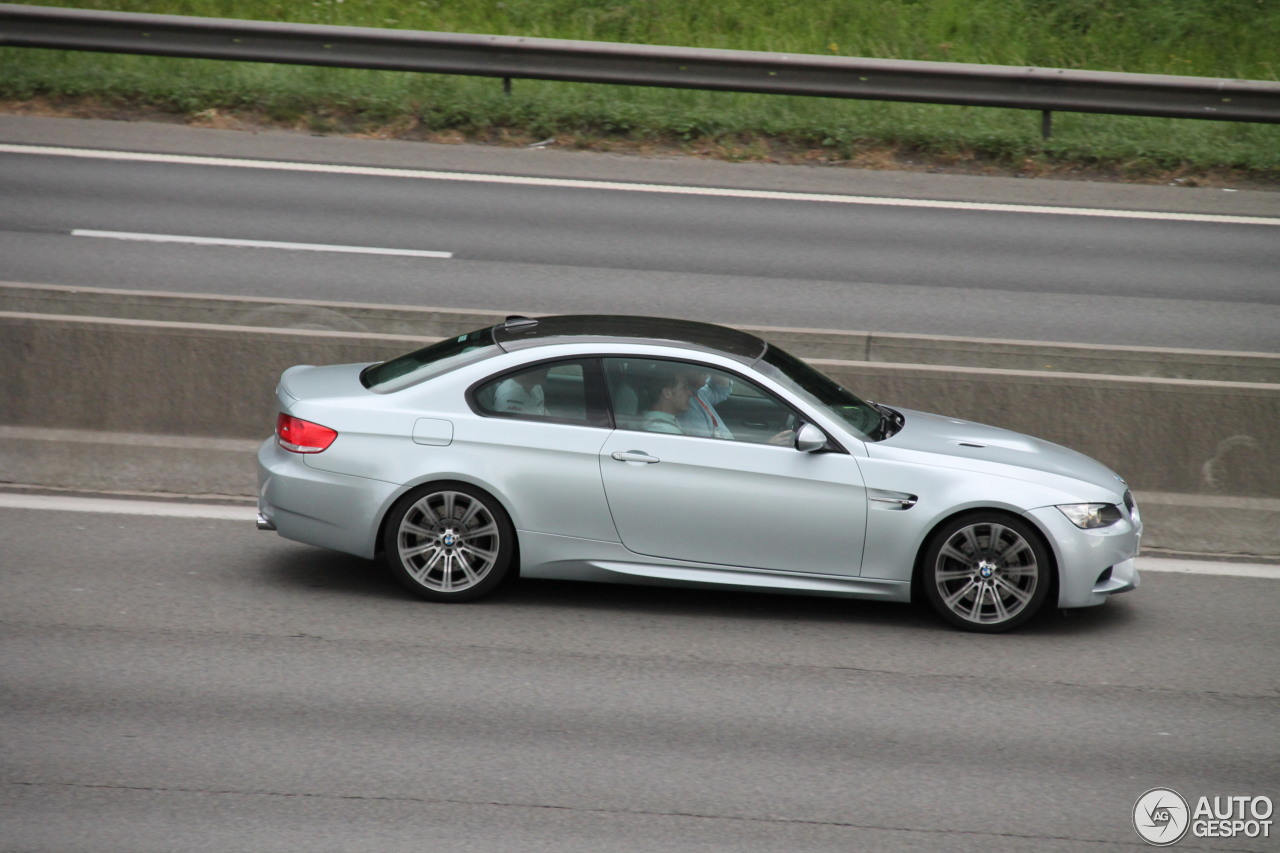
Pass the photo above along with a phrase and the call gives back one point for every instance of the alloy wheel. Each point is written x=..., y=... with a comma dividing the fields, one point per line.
x=448, y=542
x=987, y=575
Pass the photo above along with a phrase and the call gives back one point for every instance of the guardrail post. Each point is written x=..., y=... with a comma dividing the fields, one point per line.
x=1046, y=124
x=506, y=86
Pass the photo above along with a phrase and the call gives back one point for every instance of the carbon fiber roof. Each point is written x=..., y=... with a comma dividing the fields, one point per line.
x=519, y=333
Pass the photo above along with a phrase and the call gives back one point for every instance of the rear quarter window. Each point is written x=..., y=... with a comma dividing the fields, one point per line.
x=559, y=392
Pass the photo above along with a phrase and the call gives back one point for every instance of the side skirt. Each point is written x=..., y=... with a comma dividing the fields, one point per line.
x=562, y=558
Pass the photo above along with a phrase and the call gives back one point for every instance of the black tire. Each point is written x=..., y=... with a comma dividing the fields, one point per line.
x=449, y=542
x=986, y=572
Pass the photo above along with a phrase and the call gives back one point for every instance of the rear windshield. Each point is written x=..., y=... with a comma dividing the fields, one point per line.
x=440, y=357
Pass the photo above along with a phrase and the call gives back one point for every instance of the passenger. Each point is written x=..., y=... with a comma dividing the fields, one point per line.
x=523, y=393
x=668, y=391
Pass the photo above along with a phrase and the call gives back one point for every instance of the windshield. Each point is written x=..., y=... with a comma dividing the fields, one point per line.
x=438, y=358
x=822, y=391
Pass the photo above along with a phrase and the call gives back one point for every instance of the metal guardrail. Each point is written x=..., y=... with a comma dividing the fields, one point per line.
x=512, y=57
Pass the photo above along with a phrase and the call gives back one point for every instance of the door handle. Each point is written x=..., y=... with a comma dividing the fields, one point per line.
x=635, y=456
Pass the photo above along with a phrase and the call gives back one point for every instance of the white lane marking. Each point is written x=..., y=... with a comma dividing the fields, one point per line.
x=244, y=513
x=1206, y=567
x=168, y=509
x=258, y=244
x=571, y=183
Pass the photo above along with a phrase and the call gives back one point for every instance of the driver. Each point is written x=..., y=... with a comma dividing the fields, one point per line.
x=668, y=389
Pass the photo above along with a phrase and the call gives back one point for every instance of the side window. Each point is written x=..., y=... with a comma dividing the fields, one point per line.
x=551, y=392
x=687, y=398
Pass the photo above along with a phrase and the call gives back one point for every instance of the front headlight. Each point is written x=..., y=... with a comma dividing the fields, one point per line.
x=1091, y=516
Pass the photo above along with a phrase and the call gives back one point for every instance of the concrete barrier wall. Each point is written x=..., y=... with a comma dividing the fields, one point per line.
x=185, y=379
x=195, y=379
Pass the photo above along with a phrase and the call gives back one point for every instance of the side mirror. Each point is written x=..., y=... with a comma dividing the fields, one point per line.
x=810, y=438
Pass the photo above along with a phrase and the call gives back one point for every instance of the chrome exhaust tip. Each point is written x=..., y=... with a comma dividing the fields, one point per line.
x=265, y=523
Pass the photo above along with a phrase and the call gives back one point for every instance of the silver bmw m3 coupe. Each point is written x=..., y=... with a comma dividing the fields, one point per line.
x=646, y=450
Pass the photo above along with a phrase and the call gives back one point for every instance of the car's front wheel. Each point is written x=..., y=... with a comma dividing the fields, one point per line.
x=986, y=572
x=449, y=542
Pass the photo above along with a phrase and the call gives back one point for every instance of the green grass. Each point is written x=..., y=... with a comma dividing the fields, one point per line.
x=1214, y=38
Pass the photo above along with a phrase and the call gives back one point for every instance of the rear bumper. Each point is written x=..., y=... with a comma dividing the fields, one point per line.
x=321, y=508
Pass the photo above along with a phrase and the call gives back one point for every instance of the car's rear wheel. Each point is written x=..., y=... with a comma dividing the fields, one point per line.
x=449, y=542
x=986, y=572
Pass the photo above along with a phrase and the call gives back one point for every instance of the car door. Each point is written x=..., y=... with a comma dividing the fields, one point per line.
x=736, y=501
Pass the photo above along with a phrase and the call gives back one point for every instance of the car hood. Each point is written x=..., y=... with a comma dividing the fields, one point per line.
x=967, y=445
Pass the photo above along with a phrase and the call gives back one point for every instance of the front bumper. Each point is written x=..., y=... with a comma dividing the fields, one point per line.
x=1093, y=565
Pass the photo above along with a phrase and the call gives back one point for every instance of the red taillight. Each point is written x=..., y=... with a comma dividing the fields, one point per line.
x=301, y=436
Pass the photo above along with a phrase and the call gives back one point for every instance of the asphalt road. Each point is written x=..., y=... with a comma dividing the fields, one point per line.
x=194, y=684
x=534, y=231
